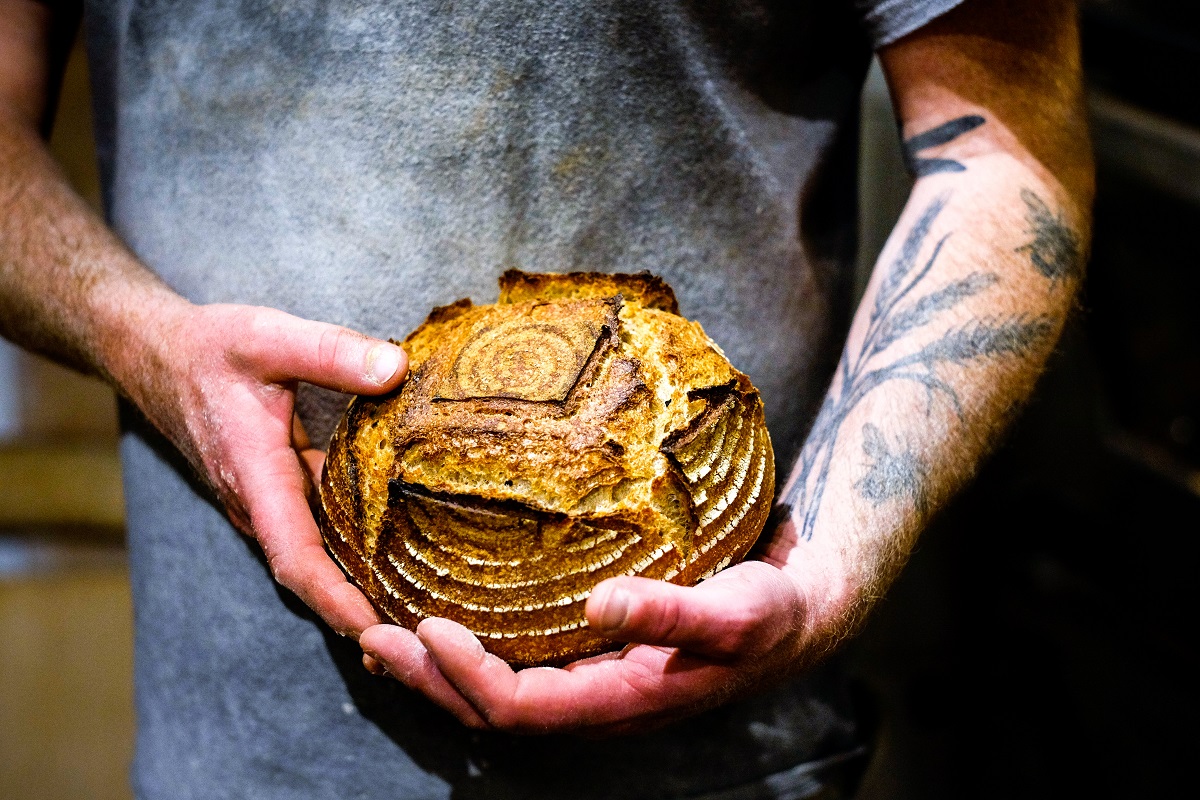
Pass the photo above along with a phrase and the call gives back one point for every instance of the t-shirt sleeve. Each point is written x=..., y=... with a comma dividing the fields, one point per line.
x=888, y=20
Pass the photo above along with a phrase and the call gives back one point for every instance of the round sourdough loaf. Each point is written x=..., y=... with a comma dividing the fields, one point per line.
x=577, y=430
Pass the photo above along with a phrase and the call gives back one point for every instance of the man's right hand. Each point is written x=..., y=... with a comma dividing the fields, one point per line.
x=220, y=381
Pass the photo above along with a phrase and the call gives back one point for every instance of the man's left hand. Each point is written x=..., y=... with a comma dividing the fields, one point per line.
x=691, y=648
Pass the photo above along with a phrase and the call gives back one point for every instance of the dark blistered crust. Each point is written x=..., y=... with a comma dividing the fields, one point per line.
x=512, y=571
x=647, y=290
x=443, y=314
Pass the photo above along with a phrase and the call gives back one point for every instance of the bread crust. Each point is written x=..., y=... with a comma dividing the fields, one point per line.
x=563, y=436
x=643, y=288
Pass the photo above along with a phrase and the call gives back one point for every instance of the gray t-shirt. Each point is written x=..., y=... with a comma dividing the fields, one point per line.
x=361, y=162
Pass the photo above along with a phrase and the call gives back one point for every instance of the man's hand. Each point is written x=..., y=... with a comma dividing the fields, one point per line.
x=220, y=382
x=695, y=647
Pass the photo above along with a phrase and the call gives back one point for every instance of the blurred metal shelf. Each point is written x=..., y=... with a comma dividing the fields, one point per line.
x=29, y=554
x=1155, y=149
x=1155, y=458
x=61, y=486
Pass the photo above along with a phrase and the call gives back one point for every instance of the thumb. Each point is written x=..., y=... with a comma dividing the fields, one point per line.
x=741, y=611
x=282, y=347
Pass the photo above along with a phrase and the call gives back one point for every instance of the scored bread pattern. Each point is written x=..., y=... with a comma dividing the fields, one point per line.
x=538, y=356
x=537, y=448
x=726, y=465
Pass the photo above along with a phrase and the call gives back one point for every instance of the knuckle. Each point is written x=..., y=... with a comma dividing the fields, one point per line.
x=330, y=344
x=515, y=713
x=743, y=634
x=669, y=622
x=258, y=321
x=502, y=716
x=337, y=347
x=284, y=571
x=251, y=327
x=643, y=684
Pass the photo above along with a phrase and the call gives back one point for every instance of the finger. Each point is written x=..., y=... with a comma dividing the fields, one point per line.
x=402, y=654
x=281, y=347
x=450, y=644
x=741, y=611
x=273, y=495
x=313, y=461
x=300, y=440
x=643, y=685
x=311, y=458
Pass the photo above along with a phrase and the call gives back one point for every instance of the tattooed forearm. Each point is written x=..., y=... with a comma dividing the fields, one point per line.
x=946, y=132
x=903, y=305
x=1055, y=250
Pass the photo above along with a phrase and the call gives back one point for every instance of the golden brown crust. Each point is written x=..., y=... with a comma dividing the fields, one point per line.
x=537, y=448
x=422, y=341
x=643, y=288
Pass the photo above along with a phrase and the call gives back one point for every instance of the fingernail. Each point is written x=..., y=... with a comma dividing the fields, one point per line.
x=382, y=362
x=615, y=611
x=373, y=664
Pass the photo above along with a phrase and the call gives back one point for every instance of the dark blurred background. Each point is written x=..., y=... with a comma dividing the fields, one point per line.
x=1036, y=646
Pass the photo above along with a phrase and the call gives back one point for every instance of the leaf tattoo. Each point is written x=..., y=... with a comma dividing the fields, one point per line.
x=904, y=263
x=987, y=337
x=923, y=311
x=1055, y=250
x=891, y=474
x=946, y=132
x=893, y=318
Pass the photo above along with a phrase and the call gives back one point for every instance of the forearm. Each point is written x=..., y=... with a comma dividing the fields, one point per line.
x=964, y=307
x=966, y=303
x=68, y=287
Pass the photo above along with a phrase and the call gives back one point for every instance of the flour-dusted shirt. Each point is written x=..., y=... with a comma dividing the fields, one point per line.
x=361, y=162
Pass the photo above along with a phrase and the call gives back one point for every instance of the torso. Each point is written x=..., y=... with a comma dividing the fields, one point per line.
x=359, y=163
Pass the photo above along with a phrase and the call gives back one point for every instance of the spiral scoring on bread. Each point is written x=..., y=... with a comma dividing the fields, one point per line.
x=537, y=356
x=521, y=360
